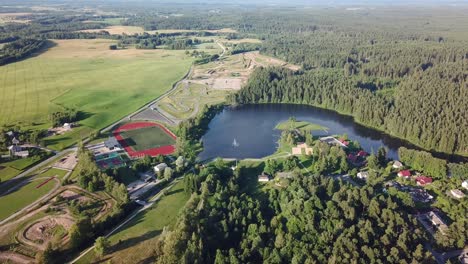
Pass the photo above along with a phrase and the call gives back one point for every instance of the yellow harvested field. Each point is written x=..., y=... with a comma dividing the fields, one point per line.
x=130, y=30
x=245, y=40
x=95, y=49
x=13, y=18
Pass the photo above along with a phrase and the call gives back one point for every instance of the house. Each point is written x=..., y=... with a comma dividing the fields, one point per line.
x=10, y=133
x=404, y=173
x=437, y=221
x=362, y=153
x=302, y=148
x=457, y=194
x=423, y=180
x=67, y=126
x=15, y=141
x=332, y=141
x=363, y=175
x=160, y=167
x=465, y=184
x=112, y=144
x=397, y=165
x=263, y=177
x=344, y=142
x=17, y=151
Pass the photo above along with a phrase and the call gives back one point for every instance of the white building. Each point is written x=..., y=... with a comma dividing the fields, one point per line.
x=263, y=177
x=397, y=165
x=457, y=194
x=465, y=184
x=160, y=167
x=18, y=151
x=363, y=175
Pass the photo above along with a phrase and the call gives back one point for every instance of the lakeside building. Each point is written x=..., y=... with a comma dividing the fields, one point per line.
x=404, y=173
x=263, y=177
x=397, y=164
x=457, y=193
x=423, y=180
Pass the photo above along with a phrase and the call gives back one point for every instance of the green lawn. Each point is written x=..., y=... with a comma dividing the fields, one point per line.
x=137, y=238
x=147, y=138
x=22, y=197
x=12, y=168
x=84, y=74
x=302, y=125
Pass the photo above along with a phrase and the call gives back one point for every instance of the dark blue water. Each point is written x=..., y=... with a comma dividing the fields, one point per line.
x=253, y=127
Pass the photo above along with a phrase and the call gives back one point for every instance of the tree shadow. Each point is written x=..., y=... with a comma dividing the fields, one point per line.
x=174, y=192
x=131, y=242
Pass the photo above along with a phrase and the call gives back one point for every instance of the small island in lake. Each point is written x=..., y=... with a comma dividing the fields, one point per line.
x=292, y=124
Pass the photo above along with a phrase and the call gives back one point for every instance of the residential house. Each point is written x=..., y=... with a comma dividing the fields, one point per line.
x=67, y=126
x=263, y=177
x=15, y=141
x=302, y=148
x=17, y=151
x=423, y=180
x=362, y=153
x=457, y=194
x=363, y=175
x=332, y=141
x=397, y=165
x=160, y=167
x=344, y=142
x=404, y=173
x=437, y=221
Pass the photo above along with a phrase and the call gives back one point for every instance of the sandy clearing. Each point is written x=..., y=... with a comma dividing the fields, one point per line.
x=11, y=257
x=98, y=48
x=40, y=232
x=71, y=195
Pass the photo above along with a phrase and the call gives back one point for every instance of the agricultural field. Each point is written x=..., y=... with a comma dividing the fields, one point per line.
x=130, y=30
x=104, y=85
x=136, y=240
x=10, y=169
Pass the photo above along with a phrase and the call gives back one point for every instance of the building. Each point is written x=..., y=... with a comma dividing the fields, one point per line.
x=332, y=141
x=363, y=175
x=17, y=151
x=437, y=221
x=397, y=165
x=112, y=144
x=465, y=184
x=404, y=173
x=423, y=180
x=344, y=141
x=302, y=148
x=263, y=177
x=160, y=167
x=67, y=126
x=457, y=194
x=15, y=141
x=362, y=153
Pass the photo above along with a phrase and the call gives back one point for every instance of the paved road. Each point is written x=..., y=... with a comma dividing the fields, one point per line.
x=147, y=206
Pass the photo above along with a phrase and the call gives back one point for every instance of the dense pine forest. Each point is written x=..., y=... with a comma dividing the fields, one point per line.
x=313, y=220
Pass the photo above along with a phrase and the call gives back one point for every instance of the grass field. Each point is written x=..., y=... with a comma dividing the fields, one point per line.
x=12, y=168
x=84, y=74
x=301, y=125
x=147, y=138
x=24, y=196
x=138, y=237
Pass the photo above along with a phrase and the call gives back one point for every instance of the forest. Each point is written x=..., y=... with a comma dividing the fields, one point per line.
x=313, y=220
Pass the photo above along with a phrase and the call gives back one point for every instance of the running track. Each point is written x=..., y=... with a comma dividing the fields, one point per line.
x=164, y=150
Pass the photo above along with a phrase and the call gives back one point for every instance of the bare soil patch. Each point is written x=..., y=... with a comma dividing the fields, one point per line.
x=42, y=231
x=118, y=30
x=67, y=163
x=71, y=195
x=11, y=257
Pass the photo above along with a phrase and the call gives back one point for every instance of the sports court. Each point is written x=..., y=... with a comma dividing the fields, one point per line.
x=145, y=138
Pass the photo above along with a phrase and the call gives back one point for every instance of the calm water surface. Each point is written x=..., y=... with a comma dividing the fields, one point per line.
x=253, y=128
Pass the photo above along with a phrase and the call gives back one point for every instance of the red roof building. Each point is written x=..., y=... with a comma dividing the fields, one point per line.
x=362, y=153
x=344, y=141
x=404, y=173
x=423, y=180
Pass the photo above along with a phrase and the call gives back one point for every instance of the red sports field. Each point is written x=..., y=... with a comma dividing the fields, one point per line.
x=145, y=138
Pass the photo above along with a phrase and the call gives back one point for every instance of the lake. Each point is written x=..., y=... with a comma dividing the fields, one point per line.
x=253, y=129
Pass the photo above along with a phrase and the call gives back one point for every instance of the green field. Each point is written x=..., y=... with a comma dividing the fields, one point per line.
x=12, y=168
x=24, y=196
x=104, y=85
x=138, y=237
x=301, y=125
x=147, y=138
